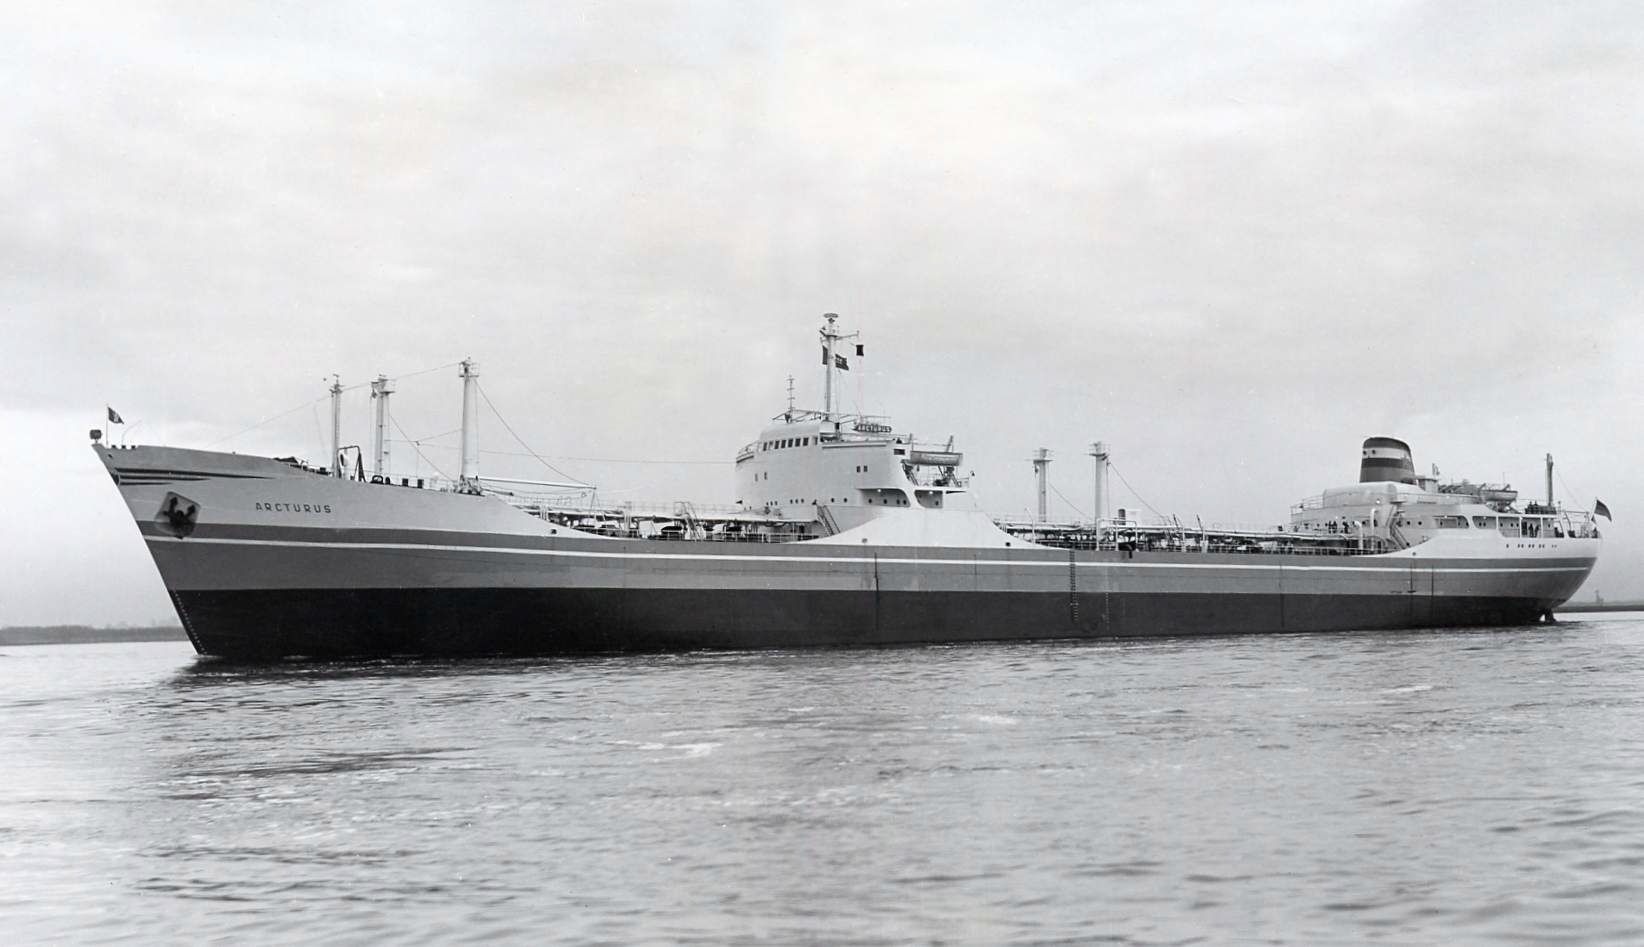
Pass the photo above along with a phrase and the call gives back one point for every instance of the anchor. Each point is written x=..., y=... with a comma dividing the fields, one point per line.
x=180, y=514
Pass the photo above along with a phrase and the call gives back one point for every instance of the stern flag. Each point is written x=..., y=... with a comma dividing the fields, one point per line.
x=114, y=416
x=1599, y=509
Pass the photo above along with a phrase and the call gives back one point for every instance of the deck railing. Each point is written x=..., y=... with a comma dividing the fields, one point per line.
x=737, y=524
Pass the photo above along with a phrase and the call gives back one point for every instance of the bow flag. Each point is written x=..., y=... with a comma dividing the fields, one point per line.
x=1599, y=509
x=114, y=416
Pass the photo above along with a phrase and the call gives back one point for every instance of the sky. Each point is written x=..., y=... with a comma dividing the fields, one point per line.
x=1230, y=240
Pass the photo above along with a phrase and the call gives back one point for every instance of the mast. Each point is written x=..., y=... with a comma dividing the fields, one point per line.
x=1041, y=465
x=380, y=390
x=470, y=420
x=1549, y=481
x=336, y=426
x=1098, y=450
x=830, y=335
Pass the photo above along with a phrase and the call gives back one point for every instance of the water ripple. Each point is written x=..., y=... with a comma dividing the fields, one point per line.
x=1473, y=786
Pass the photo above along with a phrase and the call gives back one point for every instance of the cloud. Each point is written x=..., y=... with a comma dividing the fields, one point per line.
x=1232, y=242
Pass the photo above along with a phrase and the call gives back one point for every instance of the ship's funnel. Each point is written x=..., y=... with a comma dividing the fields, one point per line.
x=1384, y=459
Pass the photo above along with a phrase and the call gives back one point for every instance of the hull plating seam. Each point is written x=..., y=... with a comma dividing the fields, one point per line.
x=1390, y=564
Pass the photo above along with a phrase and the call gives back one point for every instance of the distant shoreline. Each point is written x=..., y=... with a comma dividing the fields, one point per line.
x=19, y=635
x=1601, y=607
x=23, y=635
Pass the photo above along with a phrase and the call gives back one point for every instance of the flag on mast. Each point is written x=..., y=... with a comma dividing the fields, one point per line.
x=114, y=416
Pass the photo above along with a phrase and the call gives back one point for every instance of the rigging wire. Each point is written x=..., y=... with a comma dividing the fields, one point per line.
x=588, y=460
x=319, y=433
x=267, y=420
x=420, y=371
x=1133, y=492
x=417, y=446
x=1568, y=493
x=521, y=440
x=363, y=384
x=619, y=460
x=1069, y=503
x=435, y=437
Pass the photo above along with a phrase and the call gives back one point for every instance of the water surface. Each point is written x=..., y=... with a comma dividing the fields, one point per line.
x=1421, y=787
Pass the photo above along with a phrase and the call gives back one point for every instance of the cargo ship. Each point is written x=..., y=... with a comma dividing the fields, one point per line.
x=844, y=532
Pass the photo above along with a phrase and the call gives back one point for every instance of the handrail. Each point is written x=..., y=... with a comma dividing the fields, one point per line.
x=830, y=527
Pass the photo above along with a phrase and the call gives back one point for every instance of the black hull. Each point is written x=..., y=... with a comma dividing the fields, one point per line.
x=270, y=624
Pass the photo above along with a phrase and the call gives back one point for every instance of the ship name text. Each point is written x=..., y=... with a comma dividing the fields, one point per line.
x=323, y=509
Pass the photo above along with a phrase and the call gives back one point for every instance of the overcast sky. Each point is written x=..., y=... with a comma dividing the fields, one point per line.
x=1231, y=240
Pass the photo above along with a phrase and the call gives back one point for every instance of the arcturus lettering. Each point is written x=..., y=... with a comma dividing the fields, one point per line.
x=324, y=509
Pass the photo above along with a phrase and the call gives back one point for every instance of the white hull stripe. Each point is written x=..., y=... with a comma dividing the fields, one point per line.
x=863, y=560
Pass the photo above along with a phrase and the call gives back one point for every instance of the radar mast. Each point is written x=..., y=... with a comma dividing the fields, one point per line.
x=832, y=361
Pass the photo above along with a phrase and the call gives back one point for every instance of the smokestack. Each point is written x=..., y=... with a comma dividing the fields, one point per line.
x=1386, y=459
